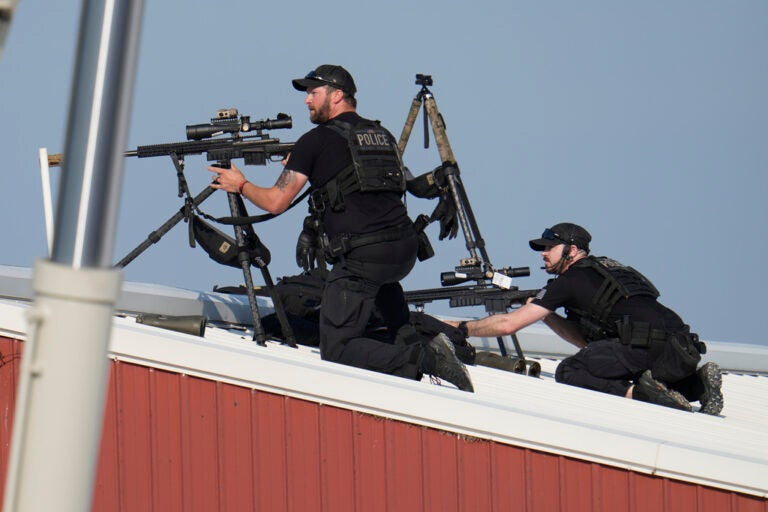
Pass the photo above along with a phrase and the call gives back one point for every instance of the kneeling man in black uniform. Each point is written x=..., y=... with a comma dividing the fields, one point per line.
x=357, y=182
x=631, y=345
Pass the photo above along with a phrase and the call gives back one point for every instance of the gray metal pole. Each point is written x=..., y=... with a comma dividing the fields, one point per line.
x=62, y=383
x=96, y=133
x=6, y=15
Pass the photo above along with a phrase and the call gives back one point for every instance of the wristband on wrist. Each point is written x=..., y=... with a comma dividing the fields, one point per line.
x=241, y=187
x=464, y=329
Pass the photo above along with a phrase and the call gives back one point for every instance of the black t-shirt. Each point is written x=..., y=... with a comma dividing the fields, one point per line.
x=576, y=288
x=320, y=154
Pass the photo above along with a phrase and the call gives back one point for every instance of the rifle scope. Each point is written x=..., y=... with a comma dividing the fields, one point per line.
x=462, y=275
x=226, y=121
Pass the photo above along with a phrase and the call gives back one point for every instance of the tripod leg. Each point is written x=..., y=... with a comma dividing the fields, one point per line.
x=156, y=235
x=251, y=241
x=502, y=346
x=469, y=238
x=259, y=335
x=438, y=128
x=479, y=242
x=290, y=339
x=409, y=122
x=458, y=193
x=519, y=350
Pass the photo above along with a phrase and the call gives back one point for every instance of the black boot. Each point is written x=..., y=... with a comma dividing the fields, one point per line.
x=438, y=359
x=648, y=389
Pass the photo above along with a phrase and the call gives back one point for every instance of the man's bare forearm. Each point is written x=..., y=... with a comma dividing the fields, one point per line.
x=566, y=329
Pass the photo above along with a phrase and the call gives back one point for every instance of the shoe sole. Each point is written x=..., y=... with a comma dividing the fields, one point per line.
x=712, y=399
x=667, y=397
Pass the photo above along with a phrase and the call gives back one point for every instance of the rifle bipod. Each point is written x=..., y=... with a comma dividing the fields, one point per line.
x=476, y=267
x=246, y=239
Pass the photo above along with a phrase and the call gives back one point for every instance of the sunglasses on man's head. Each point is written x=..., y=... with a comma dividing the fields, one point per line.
x=314, y=76
x=548, y=234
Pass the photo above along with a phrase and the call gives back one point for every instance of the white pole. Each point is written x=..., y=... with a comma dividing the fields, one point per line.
x=45, y=180
x=59, y=413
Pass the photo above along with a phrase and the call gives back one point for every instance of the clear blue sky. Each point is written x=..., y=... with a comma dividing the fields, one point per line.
x=645, y=122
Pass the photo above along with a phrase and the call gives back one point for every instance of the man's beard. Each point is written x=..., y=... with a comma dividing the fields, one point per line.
x=556, y=268
x=320, y=115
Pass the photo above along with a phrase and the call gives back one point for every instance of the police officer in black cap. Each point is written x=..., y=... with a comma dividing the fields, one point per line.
x=630, y=344
x=357, y=182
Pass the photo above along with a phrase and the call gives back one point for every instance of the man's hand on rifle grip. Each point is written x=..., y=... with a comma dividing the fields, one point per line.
x=229, y=180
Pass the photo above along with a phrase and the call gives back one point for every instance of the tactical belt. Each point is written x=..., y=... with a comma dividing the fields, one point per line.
x=639, y=334
x=342, y=244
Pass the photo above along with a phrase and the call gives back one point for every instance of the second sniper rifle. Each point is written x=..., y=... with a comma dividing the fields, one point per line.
x=256, y=149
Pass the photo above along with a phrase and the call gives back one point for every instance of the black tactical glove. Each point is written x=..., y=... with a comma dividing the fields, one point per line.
x=445, y=212
x=306, y=250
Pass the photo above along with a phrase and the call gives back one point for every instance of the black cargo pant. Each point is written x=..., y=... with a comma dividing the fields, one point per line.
x=604, y=365
x=367, y=278
x=610, y=366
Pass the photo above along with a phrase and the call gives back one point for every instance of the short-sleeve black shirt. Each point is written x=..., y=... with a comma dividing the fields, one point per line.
x=577, y=286
x=320, y=154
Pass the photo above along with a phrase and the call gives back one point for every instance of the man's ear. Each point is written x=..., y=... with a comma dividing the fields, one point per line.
x=336, y=99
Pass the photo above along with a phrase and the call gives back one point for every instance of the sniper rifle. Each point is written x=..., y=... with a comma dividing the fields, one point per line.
x=255, y=149
x=496, y=297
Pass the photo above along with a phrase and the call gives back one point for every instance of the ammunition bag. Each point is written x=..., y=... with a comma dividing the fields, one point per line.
x=301, y=294
x=223, y=249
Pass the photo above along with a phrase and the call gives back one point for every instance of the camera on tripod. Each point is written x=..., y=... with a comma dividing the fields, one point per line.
x=425, y=80
x=227, y=121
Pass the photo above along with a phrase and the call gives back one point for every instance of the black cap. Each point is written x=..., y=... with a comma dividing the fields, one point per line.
x=327, y=74
x=563, y=233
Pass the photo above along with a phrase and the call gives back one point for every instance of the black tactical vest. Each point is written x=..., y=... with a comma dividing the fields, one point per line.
x=619, y=282
x=376, y=165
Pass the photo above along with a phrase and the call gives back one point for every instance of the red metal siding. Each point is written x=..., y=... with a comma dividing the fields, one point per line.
x=174, y=442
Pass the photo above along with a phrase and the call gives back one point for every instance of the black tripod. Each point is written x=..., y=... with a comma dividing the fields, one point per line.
x=476, y=267
x=249, y=249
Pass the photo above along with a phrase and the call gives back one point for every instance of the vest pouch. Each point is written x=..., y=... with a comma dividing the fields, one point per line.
x=374, y=175
x=425, y=250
